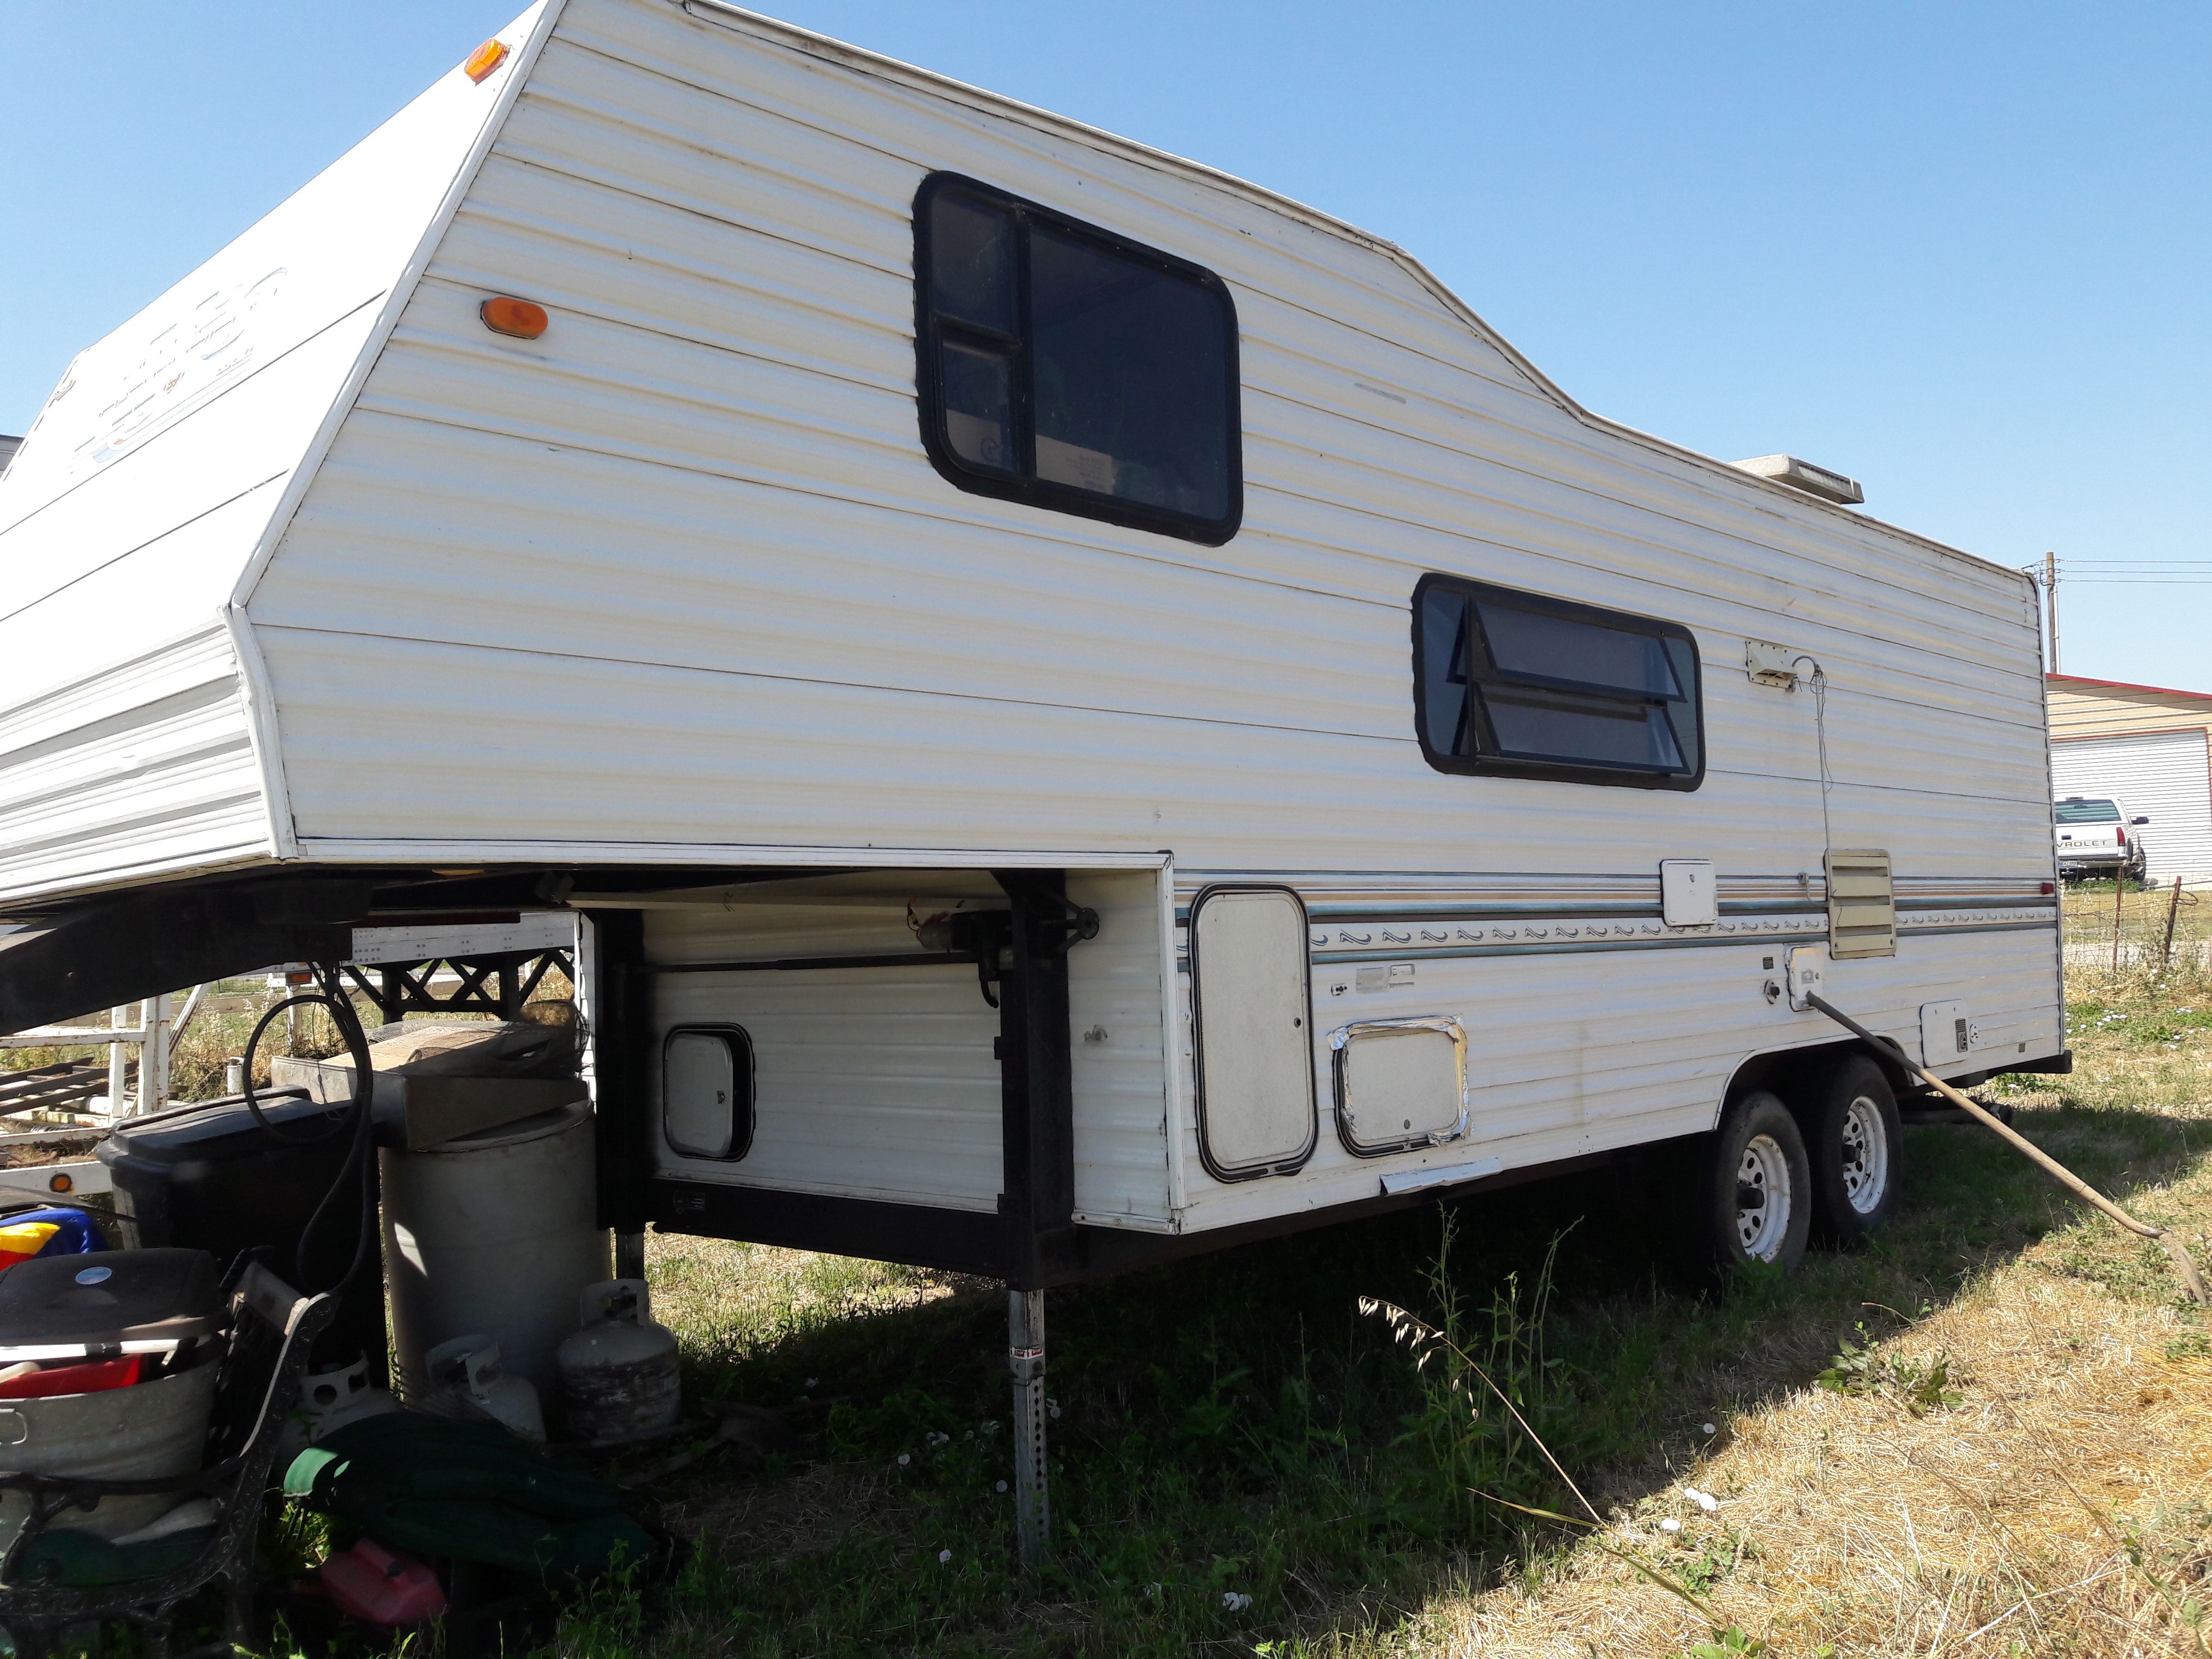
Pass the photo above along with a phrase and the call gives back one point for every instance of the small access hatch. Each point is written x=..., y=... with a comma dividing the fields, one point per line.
x=706, y=1091
x=1688, y=895
x=1946, y=1034
x=1400, y=1084
x=1253, y=1008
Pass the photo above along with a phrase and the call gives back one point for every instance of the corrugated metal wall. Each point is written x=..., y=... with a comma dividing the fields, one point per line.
x=2083, y=708
x=2164, y=775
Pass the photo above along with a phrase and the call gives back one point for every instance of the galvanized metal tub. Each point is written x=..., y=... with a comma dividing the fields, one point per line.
x=137, y=1433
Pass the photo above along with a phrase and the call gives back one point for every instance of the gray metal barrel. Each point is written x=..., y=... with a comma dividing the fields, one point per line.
x=493, y=1233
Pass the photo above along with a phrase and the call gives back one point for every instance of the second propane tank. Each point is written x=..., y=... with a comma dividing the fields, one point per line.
x=467, y=1381
x=618, y=1378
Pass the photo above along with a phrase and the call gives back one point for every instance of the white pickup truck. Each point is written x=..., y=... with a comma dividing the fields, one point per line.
x=2091, y=833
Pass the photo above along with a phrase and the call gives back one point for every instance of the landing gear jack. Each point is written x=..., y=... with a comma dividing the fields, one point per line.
x=1026, y=1359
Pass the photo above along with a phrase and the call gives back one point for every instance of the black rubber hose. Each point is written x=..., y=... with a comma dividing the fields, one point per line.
x=358, y=1165
x=305, y=999
x=360, y=1157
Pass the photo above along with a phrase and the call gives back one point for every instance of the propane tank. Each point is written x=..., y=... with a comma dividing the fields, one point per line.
x=330, y=1400
x=619, y=1372
x=466, y=1380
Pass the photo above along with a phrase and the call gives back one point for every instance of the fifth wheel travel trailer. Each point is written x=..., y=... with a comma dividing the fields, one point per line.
x=1087, y=711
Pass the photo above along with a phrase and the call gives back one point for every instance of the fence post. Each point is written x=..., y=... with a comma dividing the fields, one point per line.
x=2172, y=915
x=118, y=1018
x=2119, y=893
x=154, y=1056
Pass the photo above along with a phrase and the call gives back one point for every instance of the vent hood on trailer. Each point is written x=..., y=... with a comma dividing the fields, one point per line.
x=1815, y=481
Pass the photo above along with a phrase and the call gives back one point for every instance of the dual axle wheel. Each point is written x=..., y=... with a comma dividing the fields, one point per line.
x=1773, y=1180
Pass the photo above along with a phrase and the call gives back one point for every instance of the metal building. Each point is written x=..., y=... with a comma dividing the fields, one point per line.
x=2150, y=746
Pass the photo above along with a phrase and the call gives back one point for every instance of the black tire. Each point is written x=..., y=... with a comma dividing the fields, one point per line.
x=1758, y=1150
x=1857, y=1147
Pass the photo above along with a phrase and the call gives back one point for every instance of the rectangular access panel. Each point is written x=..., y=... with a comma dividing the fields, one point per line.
x=1400, y=1084
x=1252, y=1009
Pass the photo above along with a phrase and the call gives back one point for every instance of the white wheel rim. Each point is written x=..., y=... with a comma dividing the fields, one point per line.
x=1865, y=1154
x=1762, y=1198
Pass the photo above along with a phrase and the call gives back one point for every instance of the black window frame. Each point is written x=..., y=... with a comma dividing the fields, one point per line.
x=1611, y=775
x=931, y=330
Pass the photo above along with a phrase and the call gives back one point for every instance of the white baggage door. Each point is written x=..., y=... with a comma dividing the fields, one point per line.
x=1252, y=1004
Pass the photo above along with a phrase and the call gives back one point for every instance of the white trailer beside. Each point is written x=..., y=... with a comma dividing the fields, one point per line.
x=1092, y=710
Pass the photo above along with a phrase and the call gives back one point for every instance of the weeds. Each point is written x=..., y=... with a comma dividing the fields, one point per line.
x=1472, y=1434
x=1865, y=1368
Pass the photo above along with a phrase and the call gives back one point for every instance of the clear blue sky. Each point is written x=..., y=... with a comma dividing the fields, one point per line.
x=1959, y=251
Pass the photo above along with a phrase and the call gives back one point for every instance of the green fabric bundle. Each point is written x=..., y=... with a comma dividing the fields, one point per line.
x=440, y=1486
x=81, y=1560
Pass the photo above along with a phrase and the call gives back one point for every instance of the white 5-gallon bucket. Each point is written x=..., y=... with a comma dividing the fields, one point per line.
x=138, y=1433
x=493, y=1234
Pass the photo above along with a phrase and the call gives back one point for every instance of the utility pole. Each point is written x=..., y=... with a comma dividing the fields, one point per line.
x=2051, y=600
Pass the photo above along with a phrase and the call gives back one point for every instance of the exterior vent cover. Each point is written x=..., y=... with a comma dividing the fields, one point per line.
x=1814, y=481
x=1862, y=905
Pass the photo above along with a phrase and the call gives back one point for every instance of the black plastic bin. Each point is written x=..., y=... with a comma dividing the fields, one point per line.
x=207, y=1177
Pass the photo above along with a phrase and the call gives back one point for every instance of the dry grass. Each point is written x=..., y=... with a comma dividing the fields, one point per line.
x=2061, y=1505
x=724, y=1296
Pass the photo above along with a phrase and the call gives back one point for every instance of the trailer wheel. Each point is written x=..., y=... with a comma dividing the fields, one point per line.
x=1858, y=1151
x=1757, y=1202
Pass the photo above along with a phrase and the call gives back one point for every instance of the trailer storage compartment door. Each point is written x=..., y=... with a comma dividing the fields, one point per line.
x=1251, y=1005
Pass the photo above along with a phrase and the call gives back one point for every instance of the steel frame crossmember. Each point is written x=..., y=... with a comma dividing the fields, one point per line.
x=404, y=988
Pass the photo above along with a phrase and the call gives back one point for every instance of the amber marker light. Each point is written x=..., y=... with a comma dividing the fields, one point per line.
x=485, y=59
x=504, y=315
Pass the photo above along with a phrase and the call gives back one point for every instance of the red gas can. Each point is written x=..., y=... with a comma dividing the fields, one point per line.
x=370, y=1583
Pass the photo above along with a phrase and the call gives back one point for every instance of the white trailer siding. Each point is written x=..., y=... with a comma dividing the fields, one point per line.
x=1591, y=1026
x=872, y=1082
x=882, y=1082
x=156, y=474
x=145, y=768
x=686, y=546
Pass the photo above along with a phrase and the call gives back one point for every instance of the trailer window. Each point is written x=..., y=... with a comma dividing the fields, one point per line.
x=1064, y=366
x=1521, y=685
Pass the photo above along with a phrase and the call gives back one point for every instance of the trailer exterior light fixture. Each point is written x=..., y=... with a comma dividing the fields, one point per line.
x=503, y=314
x=485, y=59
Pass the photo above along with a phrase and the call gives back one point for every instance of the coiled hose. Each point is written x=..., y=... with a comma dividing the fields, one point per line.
x=357, y=1166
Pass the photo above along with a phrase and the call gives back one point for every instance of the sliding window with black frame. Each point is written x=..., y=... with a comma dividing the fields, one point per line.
x=1520, y=685
x=1064, y=366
